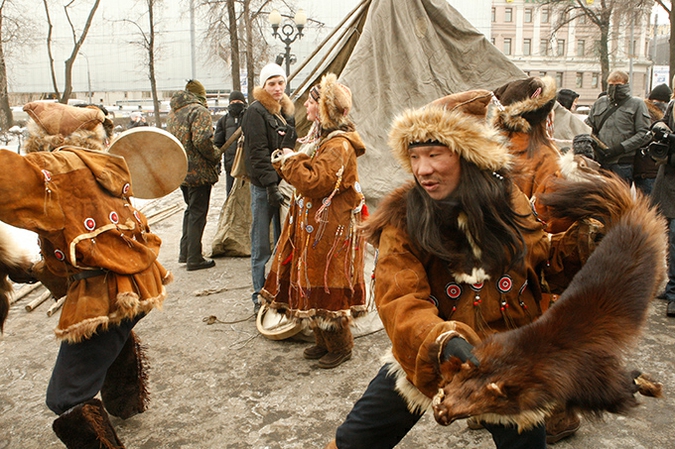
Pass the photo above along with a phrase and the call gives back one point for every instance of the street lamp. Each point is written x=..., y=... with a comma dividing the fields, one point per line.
x=289, y=35
x=88, y=76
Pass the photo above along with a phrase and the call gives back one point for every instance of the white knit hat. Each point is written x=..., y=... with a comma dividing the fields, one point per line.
x=269, y=71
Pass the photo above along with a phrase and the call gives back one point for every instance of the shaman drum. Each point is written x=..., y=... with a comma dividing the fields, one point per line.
x=276, y=326
x=156, y=159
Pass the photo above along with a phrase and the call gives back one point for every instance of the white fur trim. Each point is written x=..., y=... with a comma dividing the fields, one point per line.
x=417, y=401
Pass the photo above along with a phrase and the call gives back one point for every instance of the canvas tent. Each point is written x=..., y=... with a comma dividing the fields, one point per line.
x=394, y=55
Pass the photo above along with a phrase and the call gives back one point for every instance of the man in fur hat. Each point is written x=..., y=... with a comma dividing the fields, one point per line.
x=190, y=121
x=459, y=258
x=621, y=123
x=98, y=251
x=268, y=125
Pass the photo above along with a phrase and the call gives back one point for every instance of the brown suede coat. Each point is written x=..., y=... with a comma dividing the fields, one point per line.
x=419, y=297
x=535, y=175
x=77, y=201
x=317, y=270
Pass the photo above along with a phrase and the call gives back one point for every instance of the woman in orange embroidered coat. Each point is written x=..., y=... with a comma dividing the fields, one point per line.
x=317, y=271
x=522, y=119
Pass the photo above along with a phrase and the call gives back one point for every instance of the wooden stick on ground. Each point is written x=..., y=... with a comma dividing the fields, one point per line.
x=37, y=301
x=24, y=291
x=56, y=306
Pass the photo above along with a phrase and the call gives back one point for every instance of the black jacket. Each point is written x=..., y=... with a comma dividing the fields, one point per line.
x=264, y=132
x=225, y=127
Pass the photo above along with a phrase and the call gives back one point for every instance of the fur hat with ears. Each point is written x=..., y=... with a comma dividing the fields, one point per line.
x=335, y=102
x=526, y=103
x=474, y=140
x=473, y=102
x=53, y=125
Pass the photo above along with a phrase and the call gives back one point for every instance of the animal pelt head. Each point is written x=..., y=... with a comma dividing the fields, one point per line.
x=573, y=355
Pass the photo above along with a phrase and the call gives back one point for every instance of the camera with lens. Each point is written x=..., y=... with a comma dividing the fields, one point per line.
x=662, y=144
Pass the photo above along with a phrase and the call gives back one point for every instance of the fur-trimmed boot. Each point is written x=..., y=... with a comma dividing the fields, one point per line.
x=318, y=350
x=86, y=426
x=339, y=343
x=124, y=390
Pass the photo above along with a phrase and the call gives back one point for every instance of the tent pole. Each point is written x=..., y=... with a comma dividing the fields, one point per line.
x=335, y=30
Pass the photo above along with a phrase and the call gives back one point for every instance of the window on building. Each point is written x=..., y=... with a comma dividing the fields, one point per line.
x=494, y=15
x=561, y=47
x=580, y=80
x=507, y=46
x=594, y=80
x=633, y=49
x=528, y=15
x=543, y=47
x=544, y=15
x=581, y=20
x=508, y=15
x=527, y=47
x=492, y=40
x=581, y=47
x=559, y=78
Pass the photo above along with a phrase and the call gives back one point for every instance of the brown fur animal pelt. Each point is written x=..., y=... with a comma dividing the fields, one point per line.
x=12, y=261
x=573, y=355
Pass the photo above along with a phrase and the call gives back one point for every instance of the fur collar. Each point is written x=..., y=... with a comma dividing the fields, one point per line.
x=274, y=107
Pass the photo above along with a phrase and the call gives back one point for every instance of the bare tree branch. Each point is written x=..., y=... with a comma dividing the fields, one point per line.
x=49, y=49
x=76, y=48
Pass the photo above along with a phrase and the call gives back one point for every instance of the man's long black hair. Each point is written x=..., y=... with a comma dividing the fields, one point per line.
x=484, y=198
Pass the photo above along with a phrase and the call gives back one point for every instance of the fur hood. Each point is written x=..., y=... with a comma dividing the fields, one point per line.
x=286, y=106
x=468, y=136
x=335, y=102
x=525, y=103
x=39, y=140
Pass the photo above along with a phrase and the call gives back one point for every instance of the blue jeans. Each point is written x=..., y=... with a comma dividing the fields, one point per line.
x=262, y=215
x=380, y=419
x=625, y=171
x=645, y=185
x=670, y=287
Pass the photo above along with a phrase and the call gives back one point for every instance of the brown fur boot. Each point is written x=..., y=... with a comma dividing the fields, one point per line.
x=561, y=424
x=339, y=343
x=318, y=350
x=86, y=426
x=124, y=390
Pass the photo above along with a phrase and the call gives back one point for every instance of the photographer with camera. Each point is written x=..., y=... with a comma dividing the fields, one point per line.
x=663, y=195
x=620, y=124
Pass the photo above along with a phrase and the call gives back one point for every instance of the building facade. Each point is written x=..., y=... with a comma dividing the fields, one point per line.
x=527, y=33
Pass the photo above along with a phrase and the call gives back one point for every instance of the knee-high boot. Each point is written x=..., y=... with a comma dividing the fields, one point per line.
x=86, y=426
x=339, y=343
x=124, y=390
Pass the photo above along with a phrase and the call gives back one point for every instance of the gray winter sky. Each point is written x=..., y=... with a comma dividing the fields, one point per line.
x=109, y=60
